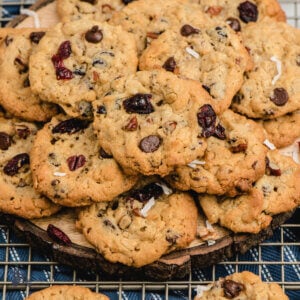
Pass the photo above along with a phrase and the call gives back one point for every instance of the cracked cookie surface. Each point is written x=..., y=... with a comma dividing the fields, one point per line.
x=18, y=196
x=76, y=58
x=15, y=92
x=278, y=191
x=229, y=166
x=68, y=167
x=126, y=231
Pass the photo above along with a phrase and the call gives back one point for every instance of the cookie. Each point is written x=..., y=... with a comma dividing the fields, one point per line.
x=18, y=196
x=229, y=166
x=272, y=88
x=276, y=192
x=140, y=226
x=75, y=59
x=147, y=19
x=70, y=168
x=101, y=10
x=66, y=292
x=244, y=285
x=239, y=13
x=206, y=51
x=283, y=131
x=153, y=121
x=15, y=92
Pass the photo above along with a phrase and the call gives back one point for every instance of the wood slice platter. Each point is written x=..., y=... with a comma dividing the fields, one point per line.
x=81, y=255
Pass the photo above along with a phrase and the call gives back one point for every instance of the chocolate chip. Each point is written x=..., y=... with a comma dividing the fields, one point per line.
x=187, y=30
x=70, y=126
x=232, y=289
x=5, y=141
x=280, y=97
x=234, y=24
x=76, y=161
x=149, y=191
x=248, y=12
x=239, y=148
x=101, y=110
x=131, y=125
x=26, y=82
x=207, y=120
x=8, y=40
x=94, y=35
x=58, y=235
x=93, y=2
x=35, y=37
x=139, y=103
x=170, y=64
x=103, y=154
x=272, y=169
x=22, y=67
x=127, y=1
x=115, y=205
x=150, y=143
x=15, y=164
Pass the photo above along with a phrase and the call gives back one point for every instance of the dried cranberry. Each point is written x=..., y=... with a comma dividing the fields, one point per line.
x=22, y=67
x=149, y=191
x=76, y=162
x=94, y=35
x=271, y=169
x=232, y=289
x=131, y=125
x=70, y=126
x=103, y=154
x=64, y=50
x=5, y=141
x=64, y=73
x=207, y=120
x=280, y=97
x=234, y=24
x=150, y=143
x=139, y=103
x=58, y=235
x=187, y=30
x=15, y=164
x=220, y=132
x=248, y=12
x=101, y=110
x=170, y=64
x=35, y=37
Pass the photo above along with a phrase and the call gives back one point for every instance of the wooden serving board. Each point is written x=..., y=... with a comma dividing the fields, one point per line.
x=81, y=255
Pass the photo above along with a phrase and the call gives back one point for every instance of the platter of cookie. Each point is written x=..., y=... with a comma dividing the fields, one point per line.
x=150, y=137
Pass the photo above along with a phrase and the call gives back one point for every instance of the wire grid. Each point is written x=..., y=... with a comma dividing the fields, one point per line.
x=19, y=263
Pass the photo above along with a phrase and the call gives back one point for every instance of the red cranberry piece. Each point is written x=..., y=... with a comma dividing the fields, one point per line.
x=64, y=50
x=170, y=64
x=131, y=125
x=139, y=103
x=232, y=289
x=234, y=24
x=187, y=30
x=150, y=143
x=64, y=73
x=248, y=12
x=220, y=132
x=207, y=120
x=5, y=141
x=35, y=37
x=76, y=161
x=280, y=97
x=15, y=164
x=272, y=169
x=58, y=235
x=103, y=154
x=147, y=192
x=94, y=35
x=70, y=126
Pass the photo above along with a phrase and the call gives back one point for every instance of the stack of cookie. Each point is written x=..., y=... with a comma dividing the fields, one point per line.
x=148, y=117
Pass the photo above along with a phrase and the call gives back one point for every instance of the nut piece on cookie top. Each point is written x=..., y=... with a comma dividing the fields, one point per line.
x=70, y=168
x=75, y=59
x=139, y=226
x=153, y=121
x=278, y=191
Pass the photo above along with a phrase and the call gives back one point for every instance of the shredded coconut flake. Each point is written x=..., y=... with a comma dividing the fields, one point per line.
x=147, y=207
x=209, y=226
x=269, y=144
x=279, y=69
x=193, y=164
x=59, y=174
x=192, y=52
x=166, y=189
x=210, y=242
x=203, y=288
x=33, y=14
